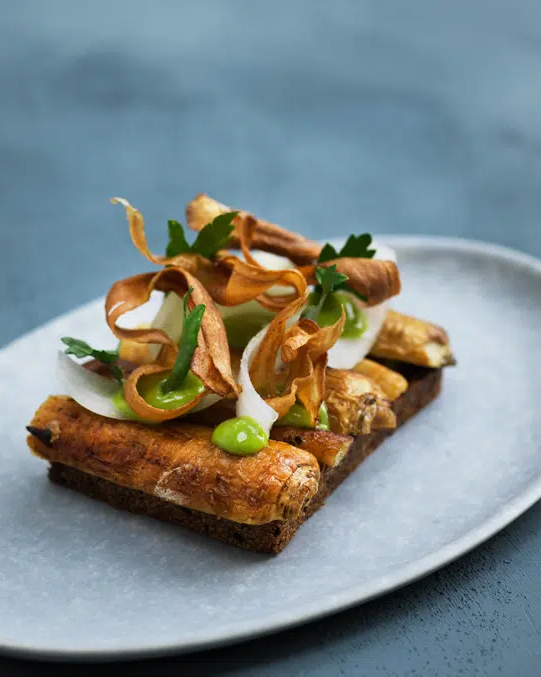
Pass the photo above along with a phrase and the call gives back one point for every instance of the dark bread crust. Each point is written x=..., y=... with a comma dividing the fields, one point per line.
x=424, y=386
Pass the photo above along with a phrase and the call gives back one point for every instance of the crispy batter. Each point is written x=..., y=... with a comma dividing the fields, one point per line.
x=408, y=339
x=179, y=463
x=356, y=405
x=391, y=383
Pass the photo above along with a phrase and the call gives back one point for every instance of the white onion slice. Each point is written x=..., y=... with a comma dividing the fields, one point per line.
x=274, y=262
x=250, y=402
x=169, y=319
x=205, y=403
x=90, y=390
x=271, y=261
x=346, y=352
x=95, y=392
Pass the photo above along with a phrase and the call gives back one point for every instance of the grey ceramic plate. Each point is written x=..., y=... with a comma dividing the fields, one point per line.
x=79, y=579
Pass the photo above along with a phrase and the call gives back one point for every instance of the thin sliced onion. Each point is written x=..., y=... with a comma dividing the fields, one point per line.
x=169, y=318
x=271, y=261
x=274, y=262
x=346, y=352
x=90, y=390
x=250, y=402
x=95, y=392
x=205, y=403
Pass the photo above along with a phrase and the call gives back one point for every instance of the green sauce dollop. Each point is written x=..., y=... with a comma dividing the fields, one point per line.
x=355, y=325
x=123, y=407
x=242, y=436
x=150, y=391
x=298, y=417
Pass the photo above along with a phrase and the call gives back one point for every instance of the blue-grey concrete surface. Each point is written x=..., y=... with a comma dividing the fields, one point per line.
x=383, y=115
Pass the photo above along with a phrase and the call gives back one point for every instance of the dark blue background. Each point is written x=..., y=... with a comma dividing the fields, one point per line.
x=327, y=117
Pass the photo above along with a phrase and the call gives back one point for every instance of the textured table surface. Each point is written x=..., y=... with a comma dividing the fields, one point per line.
x=387, y=116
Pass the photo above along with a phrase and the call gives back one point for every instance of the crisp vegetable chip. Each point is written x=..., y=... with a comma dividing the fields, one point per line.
x=211, y=360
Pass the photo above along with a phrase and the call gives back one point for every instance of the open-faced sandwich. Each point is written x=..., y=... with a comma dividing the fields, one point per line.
x=249, y=397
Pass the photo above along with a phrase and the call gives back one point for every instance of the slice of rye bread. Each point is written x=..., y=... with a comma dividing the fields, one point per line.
x=424, y=386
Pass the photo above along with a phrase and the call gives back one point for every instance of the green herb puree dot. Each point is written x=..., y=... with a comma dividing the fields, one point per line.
x=242, y=436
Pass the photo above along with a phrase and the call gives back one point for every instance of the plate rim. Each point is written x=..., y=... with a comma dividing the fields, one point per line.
x=345, y=598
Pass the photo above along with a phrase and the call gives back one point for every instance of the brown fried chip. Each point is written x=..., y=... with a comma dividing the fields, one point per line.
x=189, y=262
x=267, y=236
x=374, y=279
x=229, y=280
x=303, y=350
x=211, y=361
x=243, y=282
x=301, y=345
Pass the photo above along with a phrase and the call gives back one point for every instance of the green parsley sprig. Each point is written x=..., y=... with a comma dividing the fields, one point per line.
x=188, y=344
x=211, y=238
x=356, y=247
x=329, y=279
x=109, y=358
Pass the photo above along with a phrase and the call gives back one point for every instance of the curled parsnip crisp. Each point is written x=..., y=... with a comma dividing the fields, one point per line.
x=308, y=360
x=267, y=236
x=263, y=372
x=136, y=222
x=229, y=280
x=373, y=279
x=211, y=360
x=232, y=282
x=377, y=280
x=302, y=348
